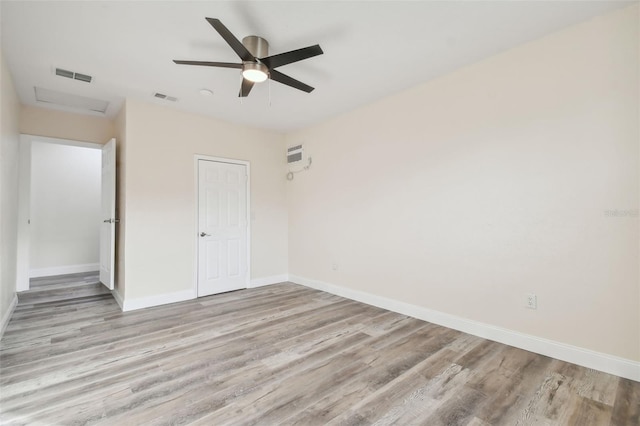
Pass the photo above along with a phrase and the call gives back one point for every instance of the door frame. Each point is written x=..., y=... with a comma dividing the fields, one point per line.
x=196, y=226
x=24, y=200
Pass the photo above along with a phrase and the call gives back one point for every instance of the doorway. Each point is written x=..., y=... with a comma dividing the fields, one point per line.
x=222, y=225
x=60, y=209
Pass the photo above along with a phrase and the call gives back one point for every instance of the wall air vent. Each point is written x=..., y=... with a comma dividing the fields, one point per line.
x=70, y=101
x=73, y=75
x=165, y=97
x=294, y=154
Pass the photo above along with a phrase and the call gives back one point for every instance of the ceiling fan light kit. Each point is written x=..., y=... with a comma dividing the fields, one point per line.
x=256, y=64
x=255, y=72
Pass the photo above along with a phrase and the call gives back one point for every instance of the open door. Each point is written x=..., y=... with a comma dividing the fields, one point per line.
x=108, y=226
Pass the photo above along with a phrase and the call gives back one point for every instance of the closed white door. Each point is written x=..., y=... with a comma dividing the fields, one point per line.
x=222, y=227
x=108, y=225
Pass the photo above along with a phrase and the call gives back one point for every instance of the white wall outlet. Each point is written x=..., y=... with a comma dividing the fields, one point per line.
x=334, y=266
x=531, y=301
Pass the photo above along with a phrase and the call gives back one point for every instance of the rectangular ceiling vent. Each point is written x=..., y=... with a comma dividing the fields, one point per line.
x=165, y=97
x=73, y=75
x=71, y=101
x=295, y=154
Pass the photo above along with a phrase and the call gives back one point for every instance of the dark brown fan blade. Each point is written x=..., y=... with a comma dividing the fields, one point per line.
x=210, y=64
x=285, y=79
x=280, y=59
x=231, y=40
x=246, y=87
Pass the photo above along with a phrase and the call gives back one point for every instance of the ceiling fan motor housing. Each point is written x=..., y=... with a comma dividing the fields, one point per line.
x=257, y=46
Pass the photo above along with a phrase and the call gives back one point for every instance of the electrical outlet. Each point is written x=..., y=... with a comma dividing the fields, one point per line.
x=531, y=301
x=334, y=266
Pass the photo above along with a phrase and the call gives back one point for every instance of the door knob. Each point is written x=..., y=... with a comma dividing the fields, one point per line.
x=204, y=234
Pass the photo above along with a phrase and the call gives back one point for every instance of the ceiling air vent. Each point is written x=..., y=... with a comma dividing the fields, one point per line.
x=73, y=75
x=82, y=77
x=64, y=73
x=165, y=97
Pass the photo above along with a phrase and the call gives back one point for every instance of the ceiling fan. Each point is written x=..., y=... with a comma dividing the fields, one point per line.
x=256, y=64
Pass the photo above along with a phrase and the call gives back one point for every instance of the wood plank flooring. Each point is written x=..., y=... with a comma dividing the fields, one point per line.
x=63, y=287
x=277, y=355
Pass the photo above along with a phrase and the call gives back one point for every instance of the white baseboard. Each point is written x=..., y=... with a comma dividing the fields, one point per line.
x=273, y=279
x=118, y=297
x=7, y=315
x=160, y=299
x=585, y=357
x=180, y=296
x=62, y=270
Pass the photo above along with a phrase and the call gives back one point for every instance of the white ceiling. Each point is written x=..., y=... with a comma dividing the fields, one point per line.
x=372, y=49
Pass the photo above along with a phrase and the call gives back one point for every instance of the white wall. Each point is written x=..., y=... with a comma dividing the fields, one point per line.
x=9, y=146
x=65, y=209
x=160, y=197
x=500, y=179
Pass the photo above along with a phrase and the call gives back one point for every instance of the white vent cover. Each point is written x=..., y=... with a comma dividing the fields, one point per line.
x=71, y=101
x=295, y=154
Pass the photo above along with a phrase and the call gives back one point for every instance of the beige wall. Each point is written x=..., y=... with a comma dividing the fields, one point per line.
x=9, y=143
x=160, y=195
x=65, y=125
x=500, y=179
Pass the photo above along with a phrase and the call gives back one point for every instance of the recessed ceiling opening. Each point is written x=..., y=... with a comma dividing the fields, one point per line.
x=71, y=101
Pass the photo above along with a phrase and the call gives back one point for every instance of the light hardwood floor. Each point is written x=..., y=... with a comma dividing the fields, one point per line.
x=282, y=354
